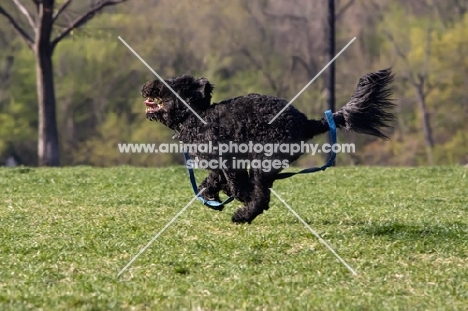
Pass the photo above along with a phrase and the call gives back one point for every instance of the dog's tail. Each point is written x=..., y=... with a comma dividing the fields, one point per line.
x=369, y=110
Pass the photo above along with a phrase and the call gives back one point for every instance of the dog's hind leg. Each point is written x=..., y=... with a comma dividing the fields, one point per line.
x=259, y=198
x=238, y=184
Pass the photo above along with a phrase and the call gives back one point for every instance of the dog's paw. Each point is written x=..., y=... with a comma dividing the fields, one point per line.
x=212, y=201
x=210, y=197
x=215, y=206
x=244, y=215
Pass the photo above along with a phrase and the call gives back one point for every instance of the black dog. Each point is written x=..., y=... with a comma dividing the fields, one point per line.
x=245, y=119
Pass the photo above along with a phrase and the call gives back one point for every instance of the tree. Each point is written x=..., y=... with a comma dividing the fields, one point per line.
x=413, y=53
x=39, y=38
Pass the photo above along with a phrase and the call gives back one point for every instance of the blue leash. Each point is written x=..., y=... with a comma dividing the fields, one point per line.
x=332, y=125
x=219, y=205
x=212, y=204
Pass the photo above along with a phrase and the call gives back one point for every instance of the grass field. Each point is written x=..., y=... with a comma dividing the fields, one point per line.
x=66, y=233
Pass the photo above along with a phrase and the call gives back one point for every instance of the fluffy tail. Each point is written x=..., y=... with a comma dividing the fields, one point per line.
x=369, y=109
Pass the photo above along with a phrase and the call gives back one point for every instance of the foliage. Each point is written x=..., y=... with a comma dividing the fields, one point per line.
x=268, y=47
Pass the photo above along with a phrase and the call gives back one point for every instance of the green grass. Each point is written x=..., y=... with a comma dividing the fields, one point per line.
x=66, y=233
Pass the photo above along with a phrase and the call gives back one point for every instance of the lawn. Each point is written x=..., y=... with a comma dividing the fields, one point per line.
x=66, y=233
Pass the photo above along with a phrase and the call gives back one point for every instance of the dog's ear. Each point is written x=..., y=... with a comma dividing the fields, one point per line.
x=200, y=93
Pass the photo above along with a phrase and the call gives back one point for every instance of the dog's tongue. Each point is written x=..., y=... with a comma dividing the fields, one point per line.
x=150, y=103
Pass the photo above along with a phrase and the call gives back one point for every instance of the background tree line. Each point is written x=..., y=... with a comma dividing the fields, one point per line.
x=268, y=46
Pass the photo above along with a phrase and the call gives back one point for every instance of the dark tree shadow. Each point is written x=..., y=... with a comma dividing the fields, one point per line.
x=397, y=230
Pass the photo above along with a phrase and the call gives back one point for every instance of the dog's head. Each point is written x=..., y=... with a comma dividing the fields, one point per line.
x=164, y=106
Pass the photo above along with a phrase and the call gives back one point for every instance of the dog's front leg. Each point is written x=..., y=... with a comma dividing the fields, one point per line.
x=213, y=184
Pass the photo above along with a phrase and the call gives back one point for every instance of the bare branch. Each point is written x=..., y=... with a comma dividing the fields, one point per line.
x=61, y=9
x=439, y=14
x=397, y=50
x=256, y=21
x=36, y=2
x=17, y=27
x=425, y=86
x=81, y=20
x=259, y=66
x=304, y=64
x=292, y=17
x=25, y=12
x=376, y=4
x=461, y=8
x=344, y=8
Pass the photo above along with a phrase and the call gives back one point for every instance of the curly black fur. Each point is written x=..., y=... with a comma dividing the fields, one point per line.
x=245, y=119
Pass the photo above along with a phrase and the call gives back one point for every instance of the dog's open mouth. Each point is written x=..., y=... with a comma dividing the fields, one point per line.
x=153, y=104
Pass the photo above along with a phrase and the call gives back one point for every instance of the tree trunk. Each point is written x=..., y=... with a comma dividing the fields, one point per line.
x=330, y=82
x=48, y=150
x=48, y=143
x=425, y=122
